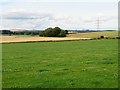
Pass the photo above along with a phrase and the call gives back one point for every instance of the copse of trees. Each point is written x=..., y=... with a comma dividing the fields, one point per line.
x=53, y=32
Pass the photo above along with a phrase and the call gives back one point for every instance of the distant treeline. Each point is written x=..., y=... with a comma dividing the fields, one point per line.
x=38, y=32
x=26, y=32
x=86, y=31
x=49, y=32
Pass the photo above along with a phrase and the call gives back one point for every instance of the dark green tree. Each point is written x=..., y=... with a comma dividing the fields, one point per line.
x=62, y=33
x=53, y=32
x=66, y=31
x=48, y=32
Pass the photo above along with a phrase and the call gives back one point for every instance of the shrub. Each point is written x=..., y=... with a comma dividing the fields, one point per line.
x=66, y=31
x=101, y=36
x=118, y=37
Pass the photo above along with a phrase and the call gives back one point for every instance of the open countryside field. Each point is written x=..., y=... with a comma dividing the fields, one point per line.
x=77, y=36
x=95, y=34
x=19, y=38
x=69, y=64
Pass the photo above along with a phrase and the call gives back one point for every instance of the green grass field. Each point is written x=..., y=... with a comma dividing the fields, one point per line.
x=69, y=64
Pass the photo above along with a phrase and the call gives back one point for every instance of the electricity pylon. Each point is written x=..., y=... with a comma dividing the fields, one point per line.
x=98, y=23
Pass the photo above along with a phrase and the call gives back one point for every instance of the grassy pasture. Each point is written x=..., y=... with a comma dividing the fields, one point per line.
x=69, y=64
x=95, y=34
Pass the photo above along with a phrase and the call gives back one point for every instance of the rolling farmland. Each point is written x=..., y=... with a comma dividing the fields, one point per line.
x=68, y=64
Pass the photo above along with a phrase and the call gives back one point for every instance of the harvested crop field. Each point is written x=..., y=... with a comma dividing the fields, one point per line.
x=9, y=39
x=95, y=34
x=76, y=36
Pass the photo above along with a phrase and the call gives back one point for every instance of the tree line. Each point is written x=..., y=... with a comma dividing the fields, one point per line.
x=49, y=32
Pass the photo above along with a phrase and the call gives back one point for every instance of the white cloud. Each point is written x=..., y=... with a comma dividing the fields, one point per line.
x=19, y=19
x=25, y=17
x=41, y=20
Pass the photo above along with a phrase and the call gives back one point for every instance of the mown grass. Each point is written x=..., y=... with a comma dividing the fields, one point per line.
x=95, y=34
x=69, y=64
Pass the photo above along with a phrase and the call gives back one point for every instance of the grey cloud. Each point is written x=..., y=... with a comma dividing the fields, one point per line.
x=26, y=16
x=26, y=20
x=35, y=20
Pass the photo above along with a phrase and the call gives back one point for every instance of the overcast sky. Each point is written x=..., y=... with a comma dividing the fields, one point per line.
x=35, y=14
